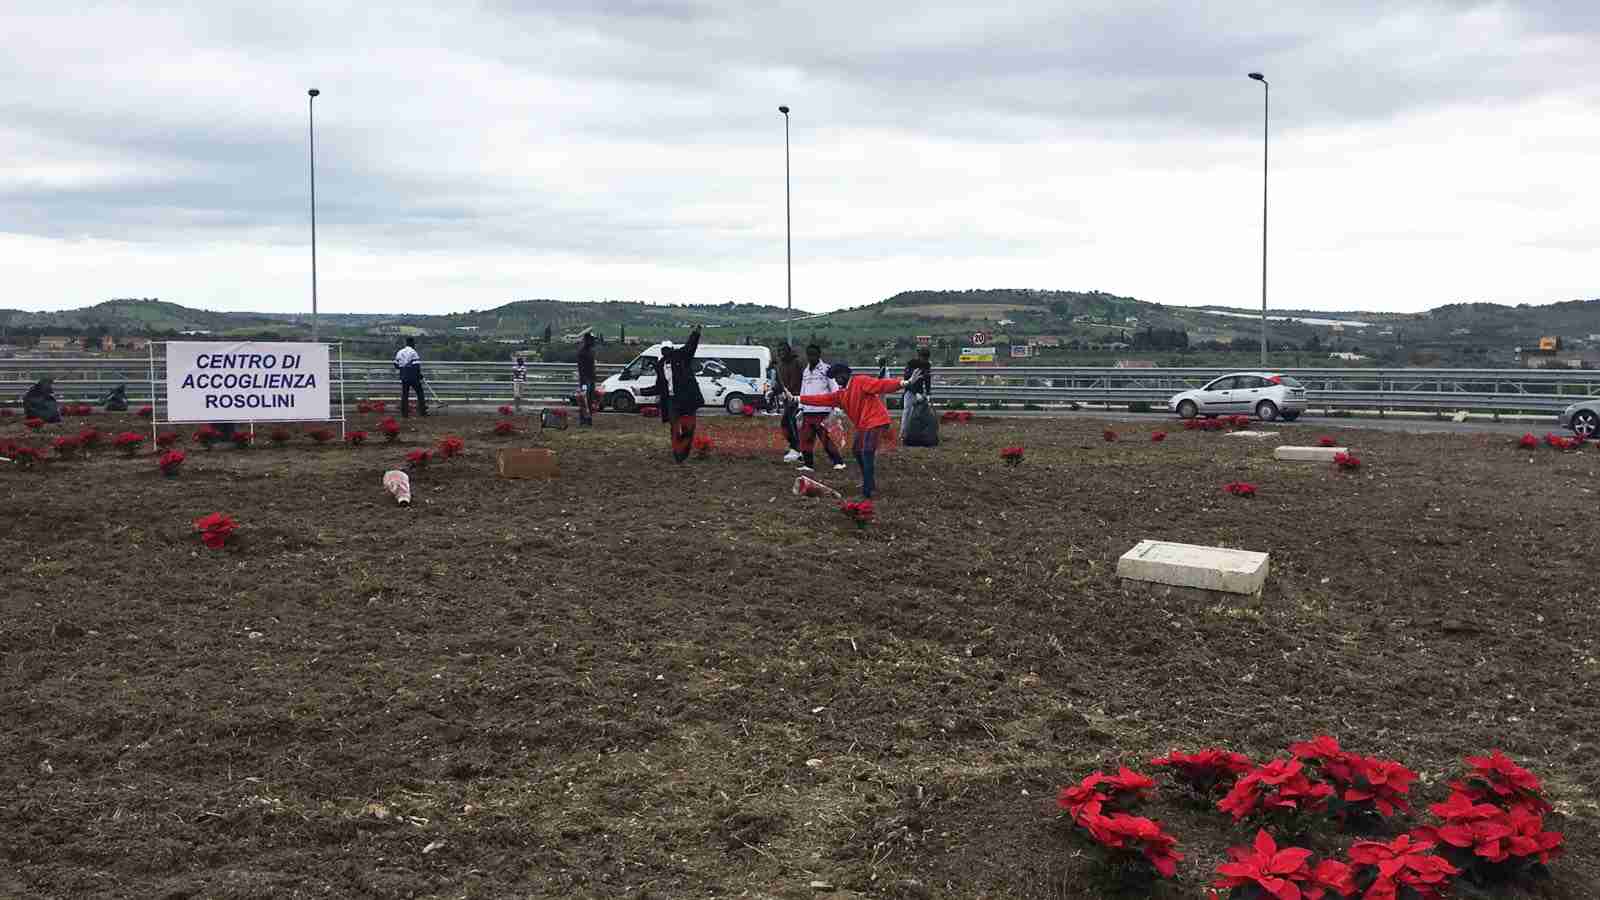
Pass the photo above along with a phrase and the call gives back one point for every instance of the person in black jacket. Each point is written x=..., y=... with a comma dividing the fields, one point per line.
x=586, y=382
x=661, y=390
x=686, y=399
x=919, y=365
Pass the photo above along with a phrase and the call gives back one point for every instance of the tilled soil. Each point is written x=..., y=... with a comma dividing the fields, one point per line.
x=648, y=680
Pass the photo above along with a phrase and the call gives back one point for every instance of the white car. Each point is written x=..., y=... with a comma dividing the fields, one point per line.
x=1265, y=395
x=730, y=375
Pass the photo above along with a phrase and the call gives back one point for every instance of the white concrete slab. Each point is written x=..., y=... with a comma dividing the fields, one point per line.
x=1308, y=454
x=1252, y=434
x=1194, y=566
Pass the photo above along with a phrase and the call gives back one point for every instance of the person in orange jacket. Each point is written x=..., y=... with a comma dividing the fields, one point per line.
x=861, y=398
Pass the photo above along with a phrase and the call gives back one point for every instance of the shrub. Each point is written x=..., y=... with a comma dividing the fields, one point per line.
x=215, y=529
x=1239, y=489
x=320, y=435
x=451, y=447
x=505, y=429
x=1157, y=437
x=1263, y=870
x=860, y=512
x=128, y=442
x=205, y=436
x=1364, y=786
x=166, y=439
x=65, y=446
x=419, y=459
x=1011, y=455
x=1206, y=771
x=280, y=436
x=1279, y=789
x=390, y=429
x=243, y=439
x=170, y=462
x=507, y=411
x=356, y=438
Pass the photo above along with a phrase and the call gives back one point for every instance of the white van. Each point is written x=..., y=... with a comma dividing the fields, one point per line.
x=731, y=376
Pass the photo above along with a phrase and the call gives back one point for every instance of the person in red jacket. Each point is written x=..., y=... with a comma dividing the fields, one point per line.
x=861, y=398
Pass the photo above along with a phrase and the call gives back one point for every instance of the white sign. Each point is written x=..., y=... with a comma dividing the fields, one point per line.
x=247, y=382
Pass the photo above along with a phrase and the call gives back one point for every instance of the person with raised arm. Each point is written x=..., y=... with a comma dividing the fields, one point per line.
x=861, y=398
x=677, y=375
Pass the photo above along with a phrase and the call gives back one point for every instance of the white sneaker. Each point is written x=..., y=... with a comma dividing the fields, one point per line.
x=838, y=467
x=792, y=456
x=805, y=469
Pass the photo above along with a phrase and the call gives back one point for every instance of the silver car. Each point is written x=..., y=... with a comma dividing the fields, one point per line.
x=1583, y=418
x=1265, y=395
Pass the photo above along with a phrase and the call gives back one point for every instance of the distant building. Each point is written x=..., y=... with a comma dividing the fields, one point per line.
x=57, y=342
x=1136, y=364
x=924, y=340
x=136, y=343
x=108, y=343
x=1046, y=340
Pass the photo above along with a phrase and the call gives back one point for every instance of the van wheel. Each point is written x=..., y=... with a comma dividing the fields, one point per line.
x=734, y=404
x=622, y=402
x=1267, y=411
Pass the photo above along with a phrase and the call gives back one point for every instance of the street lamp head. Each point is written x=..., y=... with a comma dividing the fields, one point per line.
x=313, y=92
x=1258, y=77
x=784, y=110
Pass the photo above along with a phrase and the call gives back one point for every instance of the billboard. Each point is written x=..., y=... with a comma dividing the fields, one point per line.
x=247, y=382
x=977, y=354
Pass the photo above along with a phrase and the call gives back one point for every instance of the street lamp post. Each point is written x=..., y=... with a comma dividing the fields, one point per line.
x=788, y=238
x=1266, y=111
x=311, y=124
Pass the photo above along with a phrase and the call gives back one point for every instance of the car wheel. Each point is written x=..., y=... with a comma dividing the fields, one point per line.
x=1187, y=409
x=622, y=402
x=1585, y=424
x=734, y=404
x=1266, y=411
x=1290, y=416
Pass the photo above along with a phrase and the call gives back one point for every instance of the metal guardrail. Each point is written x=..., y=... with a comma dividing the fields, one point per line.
x=1474, y=390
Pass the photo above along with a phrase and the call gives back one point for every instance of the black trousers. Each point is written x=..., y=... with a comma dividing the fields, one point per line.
x=406, y=387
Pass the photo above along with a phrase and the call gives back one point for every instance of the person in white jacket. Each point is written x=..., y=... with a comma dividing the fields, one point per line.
x=814, y=419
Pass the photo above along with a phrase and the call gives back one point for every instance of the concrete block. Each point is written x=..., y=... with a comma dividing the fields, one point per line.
x=1252, y=434
x=527, y=464
x=1308, y=454
x=1190, y=565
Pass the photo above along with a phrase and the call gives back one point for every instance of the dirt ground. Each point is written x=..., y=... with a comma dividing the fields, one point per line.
x=647, y=680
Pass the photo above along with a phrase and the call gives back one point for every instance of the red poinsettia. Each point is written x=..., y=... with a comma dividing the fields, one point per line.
x=1012, y=455
x=66, y=445
x=280, y=436
x=1326, y=441
x=649, y=411
x=364, y=407
x=1363, y=784
x=1284, y=874
x=33, y=423
x=378, y=406
x=1206, y=770
x=390, y=429
x=1496, y=779
x=88, y=438
x=145, y=412
x=1279, y=786
x=419, y=459
x=702, y=446
x=1528, y=442
x=25, y=457
x=1346, y=461
x=1403, y=867
x=170, y=462
x=1239, y=489
x=860, y=512
x=1489, y=839
x=1108, y=435
x=1120, y=831
x=504, y=429
x=215, y=529
x=1099, y=792
x=1157, y=437
x=166, y=439
x=205, y=436
x=451, y=446
x=507, y=411
x=320, y=435
x=356, y=438
x=128, y=442
x=243, y=439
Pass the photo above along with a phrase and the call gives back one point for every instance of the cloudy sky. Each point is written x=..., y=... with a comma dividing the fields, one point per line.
x=1422, y=152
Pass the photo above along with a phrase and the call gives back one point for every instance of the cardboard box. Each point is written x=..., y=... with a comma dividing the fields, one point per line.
x=526, y=463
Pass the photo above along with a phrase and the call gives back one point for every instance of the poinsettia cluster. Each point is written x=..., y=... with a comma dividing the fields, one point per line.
x=1239, y=489
x=205, y=436
x=170, y=462
x=419, y=459
x=371, y=406
x=1326, y=441
x=243, y=439
x=280, y=436
x=356, y=438
x=507, y=411
x=215, y=529
x=1492, y=827
x=1346, y=461
x=320, y=435
x=1204, y=424
x=1364, y=786
x=860, y=512
x=1099, y=805
x=1205, y=771
x=1012, y=456
x=1404, y=868
x=166, y=439
x=390, y=429
x=1157, y=437
x=1238, y=423
x=78, y=409
x=1284, y=873
x=88, y=438
x=649, y=410
x=1108, y=435
x=66, y=446
x=702, y=446
x=505, y=429
x=1528, y=442
x=128, y=442
x=451, y=447
x=1558, y=442
x=955, y=416
x=33, y=423
x=1281, y=788
x=146, y=412
x=21, y=454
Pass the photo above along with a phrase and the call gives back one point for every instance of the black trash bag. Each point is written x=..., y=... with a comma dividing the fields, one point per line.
x=40, y=402
x=117, y=400
x=922, y=426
